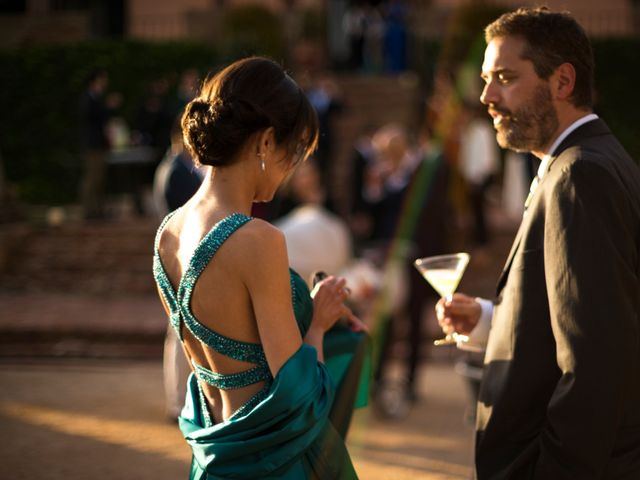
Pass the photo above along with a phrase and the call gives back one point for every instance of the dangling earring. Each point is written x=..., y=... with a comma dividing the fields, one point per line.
x=261, y=155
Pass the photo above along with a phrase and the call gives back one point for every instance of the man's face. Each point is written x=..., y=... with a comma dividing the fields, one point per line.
x=519, y=101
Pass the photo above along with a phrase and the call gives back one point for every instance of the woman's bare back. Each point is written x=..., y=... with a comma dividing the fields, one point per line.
x=220, y=301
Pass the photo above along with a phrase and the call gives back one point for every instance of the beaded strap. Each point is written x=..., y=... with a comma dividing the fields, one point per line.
x=252, y=402
x=234, y=380
x=163, y=281
x=206, y=416
x=302, y=303
x=235, y=349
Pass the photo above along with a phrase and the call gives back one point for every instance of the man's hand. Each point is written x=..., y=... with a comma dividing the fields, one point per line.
x=459, y=313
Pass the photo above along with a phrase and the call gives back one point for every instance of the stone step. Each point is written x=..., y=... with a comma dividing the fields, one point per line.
x=104, y=258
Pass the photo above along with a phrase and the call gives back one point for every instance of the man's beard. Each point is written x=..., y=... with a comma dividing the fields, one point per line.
x=532, y=126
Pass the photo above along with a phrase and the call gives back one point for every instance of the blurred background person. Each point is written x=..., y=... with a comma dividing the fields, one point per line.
x=316, y=238
x=413, y=223
x=388, y=177
x=153, y=119
x=324, y=95
x=479, y=162
x=361, y=214
x=354, y=24
x=396, y=13
x=177, y=177
x=94, y=112
x=186, y=90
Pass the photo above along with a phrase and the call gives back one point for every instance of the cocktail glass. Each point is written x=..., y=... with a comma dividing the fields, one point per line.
x=444, y=272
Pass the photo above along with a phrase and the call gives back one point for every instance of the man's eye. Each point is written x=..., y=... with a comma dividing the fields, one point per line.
x=504, y=79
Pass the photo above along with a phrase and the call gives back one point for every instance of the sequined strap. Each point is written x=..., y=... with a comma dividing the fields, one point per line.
x=232, y=381
x=163, y=281
x=207, y=420
x=302, y=303
x=156, y=243
x=207, y=248
x=235, y=349
x=252, y=402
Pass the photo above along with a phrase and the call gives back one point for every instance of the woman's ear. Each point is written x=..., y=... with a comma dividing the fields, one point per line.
x=266, y=141
x=564, y=81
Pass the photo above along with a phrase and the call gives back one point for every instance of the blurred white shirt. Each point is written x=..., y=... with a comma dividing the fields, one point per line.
x=316, y=240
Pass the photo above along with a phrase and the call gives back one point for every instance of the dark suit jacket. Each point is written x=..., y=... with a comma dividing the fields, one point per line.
x=560, y=397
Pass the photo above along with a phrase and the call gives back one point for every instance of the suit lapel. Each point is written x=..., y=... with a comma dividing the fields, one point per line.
x=507, y=266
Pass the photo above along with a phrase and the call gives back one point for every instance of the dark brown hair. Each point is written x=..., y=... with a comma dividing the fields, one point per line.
x=244, y=98
x=551, y=39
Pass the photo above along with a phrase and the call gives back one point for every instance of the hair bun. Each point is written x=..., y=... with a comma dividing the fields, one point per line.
x=200, y=130
x=242, y=99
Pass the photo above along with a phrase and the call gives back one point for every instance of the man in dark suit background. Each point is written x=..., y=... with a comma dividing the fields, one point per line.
x=560, y=396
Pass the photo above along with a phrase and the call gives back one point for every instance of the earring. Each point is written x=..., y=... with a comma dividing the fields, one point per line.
x=261, y=156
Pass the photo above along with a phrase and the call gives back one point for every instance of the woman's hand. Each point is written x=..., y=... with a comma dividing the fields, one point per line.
x=328, y=307
x=328, y=303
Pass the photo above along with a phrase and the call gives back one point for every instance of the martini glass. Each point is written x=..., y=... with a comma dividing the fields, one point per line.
x=444, y=272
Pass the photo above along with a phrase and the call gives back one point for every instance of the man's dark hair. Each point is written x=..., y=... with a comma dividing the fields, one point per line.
x=551, y=39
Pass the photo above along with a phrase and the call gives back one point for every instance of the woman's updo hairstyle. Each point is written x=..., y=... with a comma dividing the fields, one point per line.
x=244, y=98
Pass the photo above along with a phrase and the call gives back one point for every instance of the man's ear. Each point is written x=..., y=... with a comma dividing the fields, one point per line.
x=563, y=81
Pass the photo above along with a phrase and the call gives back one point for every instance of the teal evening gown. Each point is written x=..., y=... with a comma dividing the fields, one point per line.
x=294, y=427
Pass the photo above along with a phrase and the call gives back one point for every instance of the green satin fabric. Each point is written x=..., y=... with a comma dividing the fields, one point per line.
x=341, y=347
x=287, y=436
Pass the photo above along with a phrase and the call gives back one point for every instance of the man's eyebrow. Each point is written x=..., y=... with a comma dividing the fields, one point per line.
x=498, y=71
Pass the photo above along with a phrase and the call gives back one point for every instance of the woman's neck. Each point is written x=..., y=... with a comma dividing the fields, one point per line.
x=229, y=189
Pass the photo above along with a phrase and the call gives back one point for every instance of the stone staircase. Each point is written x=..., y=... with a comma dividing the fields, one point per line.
x=105, y=259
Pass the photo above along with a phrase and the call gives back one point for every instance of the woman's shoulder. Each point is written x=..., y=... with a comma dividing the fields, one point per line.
x=259, y=237
x=259, y=253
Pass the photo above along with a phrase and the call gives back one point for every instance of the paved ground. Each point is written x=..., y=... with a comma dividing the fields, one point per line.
x=103, y=419
x=81, y=394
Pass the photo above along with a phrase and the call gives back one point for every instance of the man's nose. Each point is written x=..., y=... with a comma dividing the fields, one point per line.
x=488, y=94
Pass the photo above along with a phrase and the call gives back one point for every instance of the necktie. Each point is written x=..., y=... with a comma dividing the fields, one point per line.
x=532, y=189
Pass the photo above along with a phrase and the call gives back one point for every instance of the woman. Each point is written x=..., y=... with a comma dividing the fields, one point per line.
x=259, y=399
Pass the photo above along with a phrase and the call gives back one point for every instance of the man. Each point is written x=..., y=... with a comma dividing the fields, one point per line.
x=94, y=114
x=560, y=396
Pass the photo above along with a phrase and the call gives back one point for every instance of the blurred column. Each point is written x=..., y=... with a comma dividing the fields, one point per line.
x=337, y=40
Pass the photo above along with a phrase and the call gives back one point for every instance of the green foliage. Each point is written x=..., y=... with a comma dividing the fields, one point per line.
x=39, y=91
x=464, y=41
x=252, y=30
x=617, y=93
